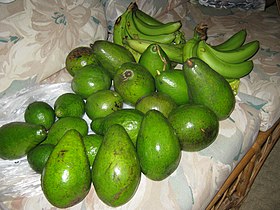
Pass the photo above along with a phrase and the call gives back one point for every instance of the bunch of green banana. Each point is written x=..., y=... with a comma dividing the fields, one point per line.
x=230, y=58
x=134, y=24
x=177, y=52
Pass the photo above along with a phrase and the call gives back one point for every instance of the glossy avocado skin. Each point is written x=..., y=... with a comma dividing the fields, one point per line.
x=61, y=126
x=111, y=55
x=155, y=60
x=130, y=119
x=116, y=171
x=66, y=178
x=173, y=83
x=158, y=101
x=133, y=81
x=196, y=126
x=209, y=88
x=18, y=138
x=157, y=146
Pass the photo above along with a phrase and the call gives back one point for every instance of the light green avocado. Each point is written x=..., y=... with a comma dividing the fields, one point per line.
x=157, y=146
x=62, y=125
x=111, y=55
x=116, y=170
x=66, y=178
x=130, y=119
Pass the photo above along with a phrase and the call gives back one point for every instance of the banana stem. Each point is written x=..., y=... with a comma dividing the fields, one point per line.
x=200, y=31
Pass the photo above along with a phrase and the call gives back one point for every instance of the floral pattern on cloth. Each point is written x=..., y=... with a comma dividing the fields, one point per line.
x=36, y=36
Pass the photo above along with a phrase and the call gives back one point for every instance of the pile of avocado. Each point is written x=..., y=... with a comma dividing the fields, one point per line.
x=170, y=111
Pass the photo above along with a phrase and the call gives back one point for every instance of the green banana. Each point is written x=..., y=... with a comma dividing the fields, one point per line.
x=152, y=30
x=189, y=49
x=233, y=42
x=119, y=26
x=237, y=55
x=147, y=18
x=179, y=37
x=173, y=51
x=227, y=70
x=134, y=33
x=135, y=54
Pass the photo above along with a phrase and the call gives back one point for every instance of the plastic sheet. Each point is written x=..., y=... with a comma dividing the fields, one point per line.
x=17, y=179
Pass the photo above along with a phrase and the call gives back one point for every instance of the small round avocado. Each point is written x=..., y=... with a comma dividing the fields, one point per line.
x=196, y=126
x=78, y=58
x=69, y=105
x=158, y=101
x=102, y=103
x=40, y=113
x=90, y=79
x=38, y=156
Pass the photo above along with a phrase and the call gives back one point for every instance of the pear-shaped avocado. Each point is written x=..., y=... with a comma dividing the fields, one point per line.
x=173, y=83
x=18, y=138
x=116, y=170
x=157, y=146
x=66, y=178
x=196, y=126
x=111, y=55
x=158, y=101
x=209, y=88
x=155, y=59
x=133, y=81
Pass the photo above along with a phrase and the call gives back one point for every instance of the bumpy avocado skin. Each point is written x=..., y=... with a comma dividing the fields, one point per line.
x=209, y=88
x=116, y=170
x=66, y=178
x=18, y=138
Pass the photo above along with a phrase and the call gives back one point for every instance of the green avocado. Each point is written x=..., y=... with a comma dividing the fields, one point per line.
x=157, y=146
x=158, y=101
x=173, y=83
x=78, y=58
x=209, y=88
x=92, y=143
x=155, y=60
x=18, y=138
x=66, y=177
x=133, y=81
x=130, y=119
x=116, y=171
x=62, y=125
x=111, y=55
x=196, y=126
